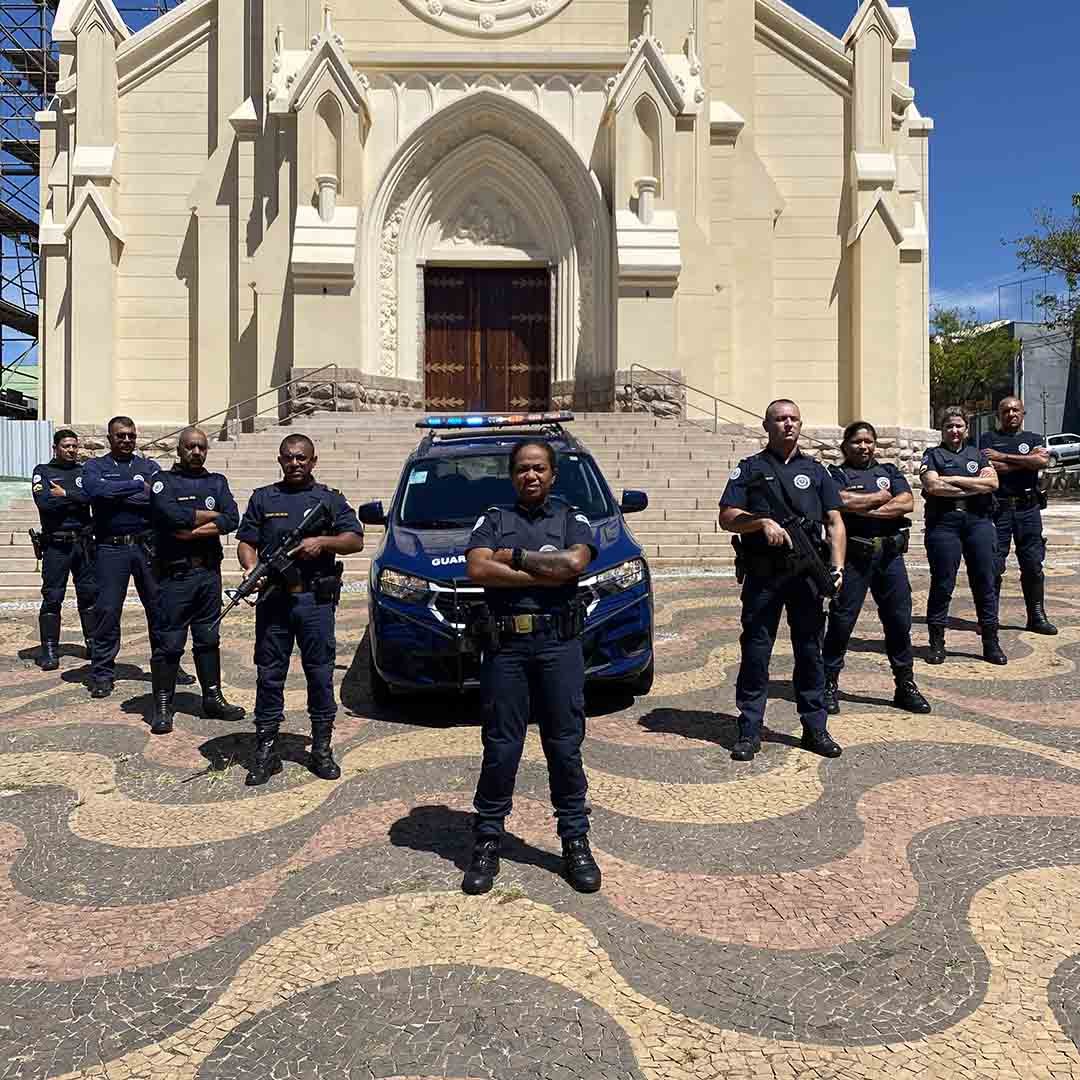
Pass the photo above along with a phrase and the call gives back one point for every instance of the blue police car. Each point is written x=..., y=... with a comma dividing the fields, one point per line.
x=421, y=603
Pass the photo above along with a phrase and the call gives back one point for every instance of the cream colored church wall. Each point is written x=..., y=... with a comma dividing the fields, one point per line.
x=390, y=23
x=164, y=131
x=799, y=135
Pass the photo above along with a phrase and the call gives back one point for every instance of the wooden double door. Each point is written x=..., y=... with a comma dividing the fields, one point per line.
x=487, y=340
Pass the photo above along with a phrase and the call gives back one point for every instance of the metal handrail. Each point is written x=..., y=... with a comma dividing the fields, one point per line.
x=235, y=409
x=717, y=401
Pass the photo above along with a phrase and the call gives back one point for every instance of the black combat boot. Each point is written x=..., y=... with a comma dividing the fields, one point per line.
x=907, y=696
x=746, y=747
x=184, y=678
x=49, y=626
x=581, y=868
x=992, y=652
x=484, y=866
x=214, y=705
x=163, y=676
x=832, y=694
x=821, y=742
x=266, y=762
x=87, y=619
x=323, y=764
x=937, y=645
x=1037, y=622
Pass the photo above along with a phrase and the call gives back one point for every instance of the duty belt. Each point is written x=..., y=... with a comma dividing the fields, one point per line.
x=125, y=539
x=171, y=567
x=526, y=624
x=1019, y=502
x=876, y=544
x=943, y=506
x=65, y=536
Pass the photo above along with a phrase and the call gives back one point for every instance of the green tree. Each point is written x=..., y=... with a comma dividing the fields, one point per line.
x=968, y=360
x=1054, y=248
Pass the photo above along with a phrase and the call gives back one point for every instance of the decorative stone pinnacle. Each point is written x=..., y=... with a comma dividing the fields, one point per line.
x=646, y=21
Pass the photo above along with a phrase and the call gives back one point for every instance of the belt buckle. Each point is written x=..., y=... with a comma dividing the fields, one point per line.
x=523, y=624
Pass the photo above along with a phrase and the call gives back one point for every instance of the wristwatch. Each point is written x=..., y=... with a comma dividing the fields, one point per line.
x=517, y=559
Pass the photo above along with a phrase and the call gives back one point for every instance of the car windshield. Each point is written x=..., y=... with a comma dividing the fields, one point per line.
x=448, y=493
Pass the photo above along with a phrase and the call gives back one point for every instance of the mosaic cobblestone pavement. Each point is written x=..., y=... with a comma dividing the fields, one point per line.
x=909, y=910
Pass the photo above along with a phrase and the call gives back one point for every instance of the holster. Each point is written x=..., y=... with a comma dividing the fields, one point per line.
x=86, y=542
x=571, y=623
x=327, y=588
x=861, y=550
x=37, y=543
x=483, y=629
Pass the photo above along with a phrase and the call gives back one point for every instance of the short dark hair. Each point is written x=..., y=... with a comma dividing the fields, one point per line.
x=125, y=420
x=297, y=438
x=61, y=435
x=545, y=446
x=779, y=401
x=853, y=429
x=950, y=412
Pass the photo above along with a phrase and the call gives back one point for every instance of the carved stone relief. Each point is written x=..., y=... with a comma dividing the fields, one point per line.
x=485, y=222
x=486, y=18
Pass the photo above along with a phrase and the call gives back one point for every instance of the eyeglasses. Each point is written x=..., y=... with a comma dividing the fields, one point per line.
x=125, y=436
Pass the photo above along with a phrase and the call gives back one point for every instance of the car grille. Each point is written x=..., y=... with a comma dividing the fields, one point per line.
x=457, y=609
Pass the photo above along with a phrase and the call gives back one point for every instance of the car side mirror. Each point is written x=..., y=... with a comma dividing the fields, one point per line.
x=633, y=502
x=371, y=513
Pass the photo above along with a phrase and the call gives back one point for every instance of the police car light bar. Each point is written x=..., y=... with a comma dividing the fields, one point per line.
x=490, y=421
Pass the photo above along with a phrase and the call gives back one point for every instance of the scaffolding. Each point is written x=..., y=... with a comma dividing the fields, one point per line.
x=28, y=74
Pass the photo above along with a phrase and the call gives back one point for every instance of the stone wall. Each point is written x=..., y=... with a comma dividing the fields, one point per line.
x=357, y=391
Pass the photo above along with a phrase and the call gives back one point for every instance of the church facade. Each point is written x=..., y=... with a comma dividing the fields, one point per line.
x=483, y=204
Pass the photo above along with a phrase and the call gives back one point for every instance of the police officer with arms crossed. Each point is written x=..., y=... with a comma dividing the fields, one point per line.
x=958, y=485
x=1017, y=456
x=299, y=613
x=118, y=486
x=191, y=510
x=876, y=497
x=768, y=588
x=66, y=544
x=528, y=558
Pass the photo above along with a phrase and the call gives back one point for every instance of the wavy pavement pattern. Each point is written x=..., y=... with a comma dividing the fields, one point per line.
x=1025, y=922
x=850, y=897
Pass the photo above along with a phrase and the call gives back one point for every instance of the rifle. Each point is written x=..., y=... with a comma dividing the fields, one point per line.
x=278, y=561
x=804, y=560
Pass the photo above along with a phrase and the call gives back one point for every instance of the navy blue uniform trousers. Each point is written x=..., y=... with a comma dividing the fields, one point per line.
x=189, y=598
x=542, y=677
x=885, y=577
x=60, y=559
x=763, y=598
x=116, y=565
x=1025, y=527
x=282, y=621
x=949, y=538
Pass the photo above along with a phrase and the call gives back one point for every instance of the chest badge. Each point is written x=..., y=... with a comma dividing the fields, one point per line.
x=972, y=467
x=802, y=482
x=209, y=502
x=884, y=483
x=158, y=487
x=549, y=547
x=1024, y=448
x=78, y=481
x=735, y=473
x=138, y=476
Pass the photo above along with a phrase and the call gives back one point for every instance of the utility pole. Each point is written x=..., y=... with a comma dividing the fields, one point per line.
x=1044, y=395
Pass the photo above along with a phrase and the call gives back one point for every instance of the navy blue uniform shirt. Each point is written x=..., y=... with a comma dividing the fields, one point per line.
x=807, y=483
x=1020, y=442
x=275, y=510
x=118, y=495
x=878, y=477
x=174, y=498
x=967, y=461
x=60, y=514
x=554, y=525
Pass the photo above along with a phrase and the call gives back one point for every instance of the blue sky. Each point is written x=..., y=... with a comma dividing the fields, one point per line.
x=1000, y=80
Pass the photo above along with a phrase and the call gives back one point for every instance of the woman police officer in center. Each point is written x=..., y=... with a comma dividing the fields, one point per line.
x=958, y=484
x=876, y=498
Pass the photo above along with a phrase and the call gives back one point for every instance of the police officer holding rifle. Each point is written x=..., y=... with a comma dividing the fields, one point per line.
x=299, y=601
x=777, y=503
x=64, y=546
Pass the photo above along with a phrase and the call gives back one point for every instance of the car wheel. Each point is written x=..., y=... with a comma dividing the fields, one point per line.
x=1053, y=462
x=380, y=688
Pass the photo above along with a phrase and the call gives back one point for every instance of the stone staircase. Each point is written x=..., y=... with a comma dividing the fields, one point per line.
x=683, y=468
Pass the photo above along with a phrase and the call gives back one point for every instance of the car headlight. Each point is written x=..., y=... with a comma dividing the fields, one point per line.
x=412, y=590
x=618, y=578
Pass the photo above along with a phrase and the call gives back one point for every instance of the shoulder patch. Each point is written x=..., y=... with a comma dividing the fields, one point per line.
x=735, y=473
x=37, y=478
x=583, y=519
x=158, y=487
